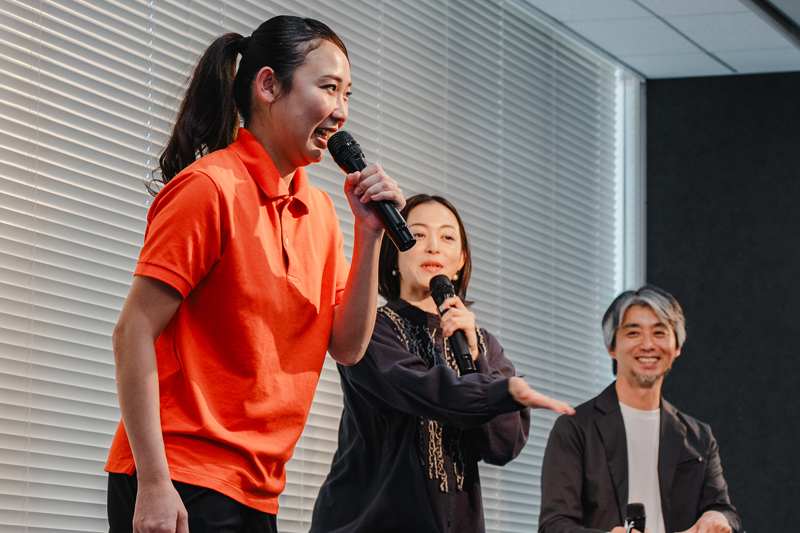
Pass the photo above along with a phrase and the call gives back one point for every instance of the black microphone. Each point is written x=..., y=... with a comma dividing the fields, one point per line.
x=636, y=517
x=348, y=155
x=441, y=290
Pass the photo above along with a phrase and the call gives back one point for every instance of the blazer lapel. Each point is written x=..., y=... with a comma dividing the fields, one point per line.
x=611, y=428
x=673, y=435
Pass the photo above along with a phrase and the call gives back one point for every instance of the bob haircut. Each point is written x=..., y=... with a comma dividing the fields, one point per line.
x=389, y=284
x=663, y=304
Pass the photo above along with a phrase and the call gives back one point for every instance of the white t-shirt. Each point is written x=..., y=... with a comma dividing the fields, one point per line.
x=642, y=429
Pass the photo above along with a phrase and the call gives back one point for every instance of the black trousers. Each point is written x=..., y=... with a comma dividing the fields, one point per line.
x=209, y=511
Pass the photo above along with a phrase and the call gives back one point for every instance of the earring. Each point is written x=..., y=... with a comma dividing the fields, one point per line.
x=455, y=278
x=394, y=272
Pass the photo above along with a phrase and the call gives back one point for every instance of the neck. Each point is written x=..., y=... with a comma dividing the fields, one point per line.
x=644, y=396
x=421, y=299
x=263, y=135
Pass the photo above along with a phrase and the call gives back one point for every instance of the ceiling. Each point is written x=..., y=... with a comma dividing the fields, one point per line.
x=682, y=38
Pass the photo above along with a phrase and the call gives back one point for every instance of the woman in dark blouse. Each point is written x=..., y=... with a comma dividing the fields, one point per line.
x=413, y=430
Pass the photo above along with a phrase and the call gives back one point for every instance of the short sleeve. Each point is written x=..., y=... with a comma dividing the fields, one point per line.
x=183, y=237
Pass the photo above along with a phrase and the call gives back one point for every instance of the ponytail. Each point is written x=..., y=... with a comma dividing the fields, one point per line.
x=209, y=116
x=208, y=119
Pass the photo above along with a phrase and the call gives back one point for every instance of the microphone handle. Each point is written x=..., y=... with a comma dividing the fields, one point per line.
x=462, y=354
x=394, y=225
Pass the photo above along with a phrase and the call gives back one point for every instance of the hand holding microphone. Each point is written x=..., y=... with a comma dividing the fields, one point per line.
x=635, y=518
x=373, y=186
x=442, y=290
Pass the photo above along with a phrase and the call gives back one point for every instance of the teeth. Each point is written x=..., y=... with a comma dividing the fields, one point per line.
x=648, y=359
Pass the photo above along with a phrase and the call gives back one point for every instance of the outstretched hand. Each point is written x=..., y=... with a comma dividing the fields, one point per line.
x=524, y=394
x=620, y=529
x=372, y=184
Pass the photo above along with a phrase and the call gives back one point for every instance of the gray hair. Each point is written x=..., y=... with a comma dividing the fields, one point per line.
x=663, y=304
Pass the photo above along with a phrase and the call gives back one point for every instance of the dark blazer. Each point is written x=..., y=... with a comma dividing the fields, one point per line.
x=585, y=470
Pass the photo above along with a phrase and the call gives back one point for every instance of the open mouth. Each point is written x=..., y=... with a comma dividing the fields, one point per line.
x=323, y=134
x=648, y=361
x=432, y=266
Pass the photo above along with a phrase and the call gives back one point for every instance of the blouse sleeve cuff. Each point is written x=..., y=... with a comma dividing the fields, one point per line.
x=499, y=395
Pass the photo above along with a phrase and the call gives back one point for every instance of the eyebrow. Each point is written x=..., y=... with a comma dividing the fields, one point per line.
x=424, y=224
x=337, y=78
x=634, y=325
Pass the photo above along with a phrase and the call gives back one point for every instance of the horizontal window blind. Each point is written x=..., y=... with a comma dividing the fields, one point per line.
x=517, y=125
x=86, y=93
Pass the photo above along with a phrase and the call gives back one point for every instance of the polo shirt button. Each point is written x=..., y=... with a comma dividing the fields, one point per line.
x=287, y=241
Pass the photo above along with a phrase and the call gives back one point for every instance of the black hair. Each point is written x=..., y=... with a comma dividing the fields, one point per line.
x=389, y=278
x=219, y=95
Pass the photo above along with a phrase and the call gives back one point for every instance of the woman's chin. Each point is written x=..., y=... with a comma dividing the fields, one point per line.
x=313, y=154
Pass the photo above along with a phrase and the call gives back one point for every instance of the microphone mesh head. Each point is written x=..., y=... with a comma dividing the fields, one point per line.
x=635, y=510
x=342, y=146
x=441, y=288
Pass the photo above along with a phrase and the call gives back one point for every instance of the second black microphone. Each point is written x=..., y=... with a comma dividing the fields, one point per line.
x=348, y=155
x=441, y=290
x=636, y=517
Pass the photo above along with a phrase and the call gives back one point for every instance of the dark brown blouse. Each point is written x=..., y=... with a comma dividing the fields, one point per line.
x=412, y=431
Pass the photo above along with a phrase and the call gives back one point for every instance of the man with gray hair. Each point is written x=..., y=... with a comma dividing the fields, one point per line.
x=629, y=444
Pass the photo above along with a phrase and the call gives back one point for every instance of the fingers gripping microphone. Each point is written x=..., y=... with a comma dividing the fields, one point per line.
x=636, y=517
x=441, y=290
x=348, y=155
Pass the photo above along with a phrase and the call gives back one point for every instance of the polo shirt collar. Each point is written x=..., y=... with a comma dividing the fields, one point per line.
x=259, y=164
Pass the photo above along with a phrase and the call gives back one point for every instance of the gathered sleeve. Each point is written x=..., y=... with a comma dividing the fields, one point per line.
x=501, y=439
x=391, y=377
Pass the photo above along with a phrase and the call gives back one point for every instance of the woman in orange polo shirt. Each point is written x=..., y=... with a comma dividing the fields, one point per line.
x=241, y=287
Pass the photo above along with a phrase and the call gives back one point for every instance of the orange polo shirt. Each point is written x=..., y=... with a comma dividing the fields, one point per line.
x=260, y=271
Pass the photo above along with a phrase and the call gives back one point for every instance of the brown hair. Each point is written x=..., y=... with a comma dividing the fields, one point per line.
x=219, y=94
x=389, y=284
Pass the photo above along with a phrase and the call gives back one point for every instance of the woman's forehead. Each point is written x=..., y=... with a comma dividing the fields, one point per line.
x=327, y=60
x=432, y=213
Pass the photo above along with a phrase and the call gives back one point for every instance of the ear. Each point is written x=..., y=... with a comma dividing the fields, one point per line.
x=611, y=353
x=677, y=352
x=463, y=260
x=266, y=85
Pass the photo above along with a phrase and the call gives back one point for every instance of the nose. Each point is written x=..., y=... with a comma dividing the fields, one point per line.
x=431, y=246
x=340, y=112
x=647, y=341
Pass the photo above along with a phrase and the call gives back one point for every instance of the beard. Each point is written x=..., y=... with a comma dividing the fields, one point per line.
x=649, y=381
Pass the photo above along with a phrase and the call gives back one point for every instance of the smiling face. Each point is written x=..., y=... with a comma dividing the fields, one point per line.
x=438, y=250
x=645, y=348
x=298, y=124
